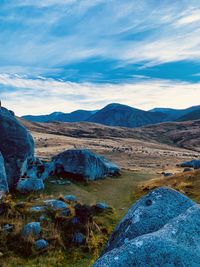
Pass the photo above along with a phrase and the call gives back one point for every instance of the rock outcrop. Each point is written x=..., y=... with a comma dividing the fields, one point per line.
x=84, y=164
x=36, y=169
x=161, y=229
x=191, y=164
x=3, y=176
x=16, y=145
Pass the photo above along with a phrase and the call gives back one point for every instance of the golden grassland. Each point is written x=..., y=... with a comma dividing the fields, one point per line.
x=187, y=183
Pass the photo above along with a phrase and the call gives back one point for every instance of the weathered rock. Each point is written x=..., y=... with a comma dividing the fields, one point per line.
x=70, y=198
x=56, y=204
x=35, y=168
x=8, y=227
x=79, y=238
x=37, y=209
x=175, y=244
x=30, y=185
x=41, y=244
x=148, y=215
x=84, y=164
x=102, y=206
x=3, y=176
x=191, y=164
x=32, y=229
x=167, y=174
x=16, y=145
x=187, y=169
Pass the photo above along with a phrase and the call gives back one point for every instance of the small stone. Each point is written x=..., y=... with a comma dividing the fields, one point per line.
x=79, y=238
x=71, y=198
x=37, y=208
x=41, y=244
x=56, y=204
x=31, y=229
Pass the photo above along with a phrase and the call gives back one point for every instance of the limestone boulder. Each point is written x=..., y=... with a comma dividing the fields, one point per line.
x=16, y=145
x=84, y=164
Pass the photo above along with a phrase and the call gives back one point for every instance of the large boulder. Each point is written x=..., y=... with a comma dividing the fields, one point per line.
x=16, y=145
x=84, y=164
x=148, y=215
x=3, y=176
x=175, y=244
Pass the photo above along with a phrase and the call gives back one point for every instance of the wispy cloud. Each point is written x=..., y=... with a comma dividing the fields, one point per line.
x=121, y=51
x=26, y=95
x=56, y=33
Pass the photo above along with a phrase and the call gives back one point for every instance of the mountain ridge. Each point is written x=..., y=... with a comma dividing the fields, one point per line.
x=116, y=114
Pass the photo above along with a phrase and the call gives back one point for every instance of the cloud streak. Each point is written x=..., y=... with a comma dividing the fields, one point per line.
x=34, y=96
x=56, y=33
x=64, y=55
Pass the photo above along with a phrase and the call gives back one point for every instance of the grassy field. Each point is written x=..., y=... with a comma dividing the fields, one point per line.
x=120, y=193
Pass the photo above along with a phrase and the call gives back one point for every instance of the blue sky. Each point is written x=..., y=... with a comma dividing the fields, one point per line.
x=62, y=55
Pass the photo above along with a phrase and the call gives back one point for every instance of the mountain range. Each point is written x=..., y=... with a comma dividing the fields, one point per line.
x=121, y=115
x=75, y=116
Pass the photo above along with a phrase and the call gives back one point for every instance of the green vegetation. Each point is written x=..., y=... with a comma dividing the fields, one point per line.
x=117, y=192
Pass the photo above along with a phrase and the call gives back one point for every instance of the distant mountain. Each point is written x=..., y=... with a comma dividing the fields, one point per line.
x=174, y=114
x=75, y=116
x=121, y=115
x=194, y=115
x=125, y=116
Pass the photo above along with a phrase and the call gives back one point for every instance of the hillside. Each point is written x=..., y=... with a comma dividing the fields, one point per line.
x=120, y=115
x=175, y=114
x=125, y=116
x=193, y=115
x=181, y=134
x=75, y=116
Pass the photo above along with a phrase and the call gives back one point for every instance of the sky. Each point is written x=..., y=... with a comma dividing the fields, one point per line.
x=63, y=55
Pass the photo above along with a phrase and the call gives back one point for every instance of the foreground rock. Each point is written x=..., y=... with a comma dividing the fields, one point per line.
x=161, y=229
x=175, y=244
x=149, y=214
x=84, y=164
x=30, y=185
x=16, y=145
x=3, y=176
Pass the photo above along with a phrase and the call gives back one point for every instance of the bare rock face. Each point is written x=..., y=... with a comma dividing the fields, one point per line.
x=161, y=229
x=36, y=169
x=16, y=145
x=84, y=164
x=191, y=164
x=3, y=176
x=175, y=244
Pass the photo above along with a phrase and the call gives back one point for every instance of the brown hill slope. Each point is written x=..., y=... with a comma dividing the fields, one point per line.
x=181, y=134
